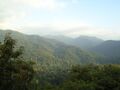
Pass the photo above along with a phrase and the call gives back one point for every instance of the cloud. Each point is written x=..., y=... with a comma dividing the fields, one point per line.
x=72, y=29
x=14, y=11
x=104, y=33
x=46, y=4
x=13, y=14
x=53, y=27
x=11, y=21
x=59, y=25
x=10, y=13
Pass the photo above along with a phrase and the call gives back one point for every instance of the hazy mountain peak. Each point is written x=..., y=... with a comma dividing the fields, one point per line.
x=89, y=38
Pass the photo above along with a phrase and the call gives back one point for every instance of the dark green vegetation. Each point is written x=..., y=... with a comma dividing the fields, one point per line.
x=15, y=73
x=81, y=77
x=46, y=64
x=92, y=77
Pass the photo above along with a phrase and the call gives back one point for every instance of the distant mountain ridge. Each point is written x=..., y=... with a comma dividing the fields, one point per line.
x=53, y=52
x=87, y=42
x=108, y=48
x=84, y=42
x=50, y=52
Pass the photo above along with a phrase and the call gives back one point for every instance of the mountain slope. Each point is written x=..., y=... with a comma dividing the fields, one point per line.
x=49, y=52
x=87, y=42
x=61, y=38
x=84, y=42
x=108, y=48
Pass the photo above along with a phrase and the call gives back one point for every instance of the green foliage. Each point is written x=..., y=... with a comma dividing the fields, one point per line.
x=93, y=77
x=15, y=73
x=80, y=77
x=54, y=66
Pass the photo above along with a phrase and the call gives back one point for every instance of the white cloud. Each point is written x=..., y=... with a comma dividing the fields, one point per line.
x=46, y=4
x=59, y=25
x=104, y=33
x=66, y=25
x=14, y=11
x=11, y=21
x=10, y=13
x=73, y=28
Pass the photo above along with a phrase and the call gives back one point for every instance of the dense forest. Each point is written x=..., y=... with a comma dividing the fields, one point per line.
x=58, y=66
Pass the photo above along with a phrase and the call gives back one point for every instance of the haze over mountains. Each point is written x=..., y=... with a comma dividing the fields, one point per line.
x=84, y=42
x=57, y=50
x=106, y=48
x=50, y=52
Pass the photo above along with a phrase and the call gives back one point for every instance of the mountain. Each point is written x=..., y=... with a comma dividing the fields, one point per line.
x=49, y=52
x=108, y=48
x=87, y=42
x=61, y=38
x=84, y=42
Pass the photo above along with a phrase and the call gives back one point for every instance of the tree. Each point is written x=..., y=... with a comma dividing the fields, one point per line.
x=15, y=72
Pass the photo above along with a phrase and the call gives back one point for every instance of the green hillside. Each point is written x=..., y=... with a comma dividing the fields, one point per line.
x=49, y=52
x=84, y=42
x=52, y=69
x=110, y=50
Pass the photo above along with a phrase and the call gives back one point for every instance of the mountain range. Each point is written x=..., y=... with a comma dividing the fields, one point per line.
x=64, y=51
x=84, y=42
x=49, y=52
x=109, y=49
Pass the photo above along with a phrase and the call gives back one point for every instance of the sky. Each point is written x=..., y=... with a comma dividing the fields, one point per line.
x=100, y=18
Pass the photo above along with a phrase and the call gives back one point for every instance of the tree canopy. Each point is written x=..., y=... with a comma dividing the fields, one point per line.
x=15, y=72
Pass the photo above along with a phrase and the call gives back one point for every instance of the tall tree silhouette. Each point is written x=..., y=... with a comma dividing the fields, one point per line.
x=15, y=72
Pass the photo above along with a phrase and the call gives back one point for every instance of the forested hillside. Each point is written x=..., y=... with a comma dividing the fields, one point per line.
x=59, y=44
x=110, y=50
x=84, y=42
x=15, y=72
x=21, y=73
x=50, y=52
